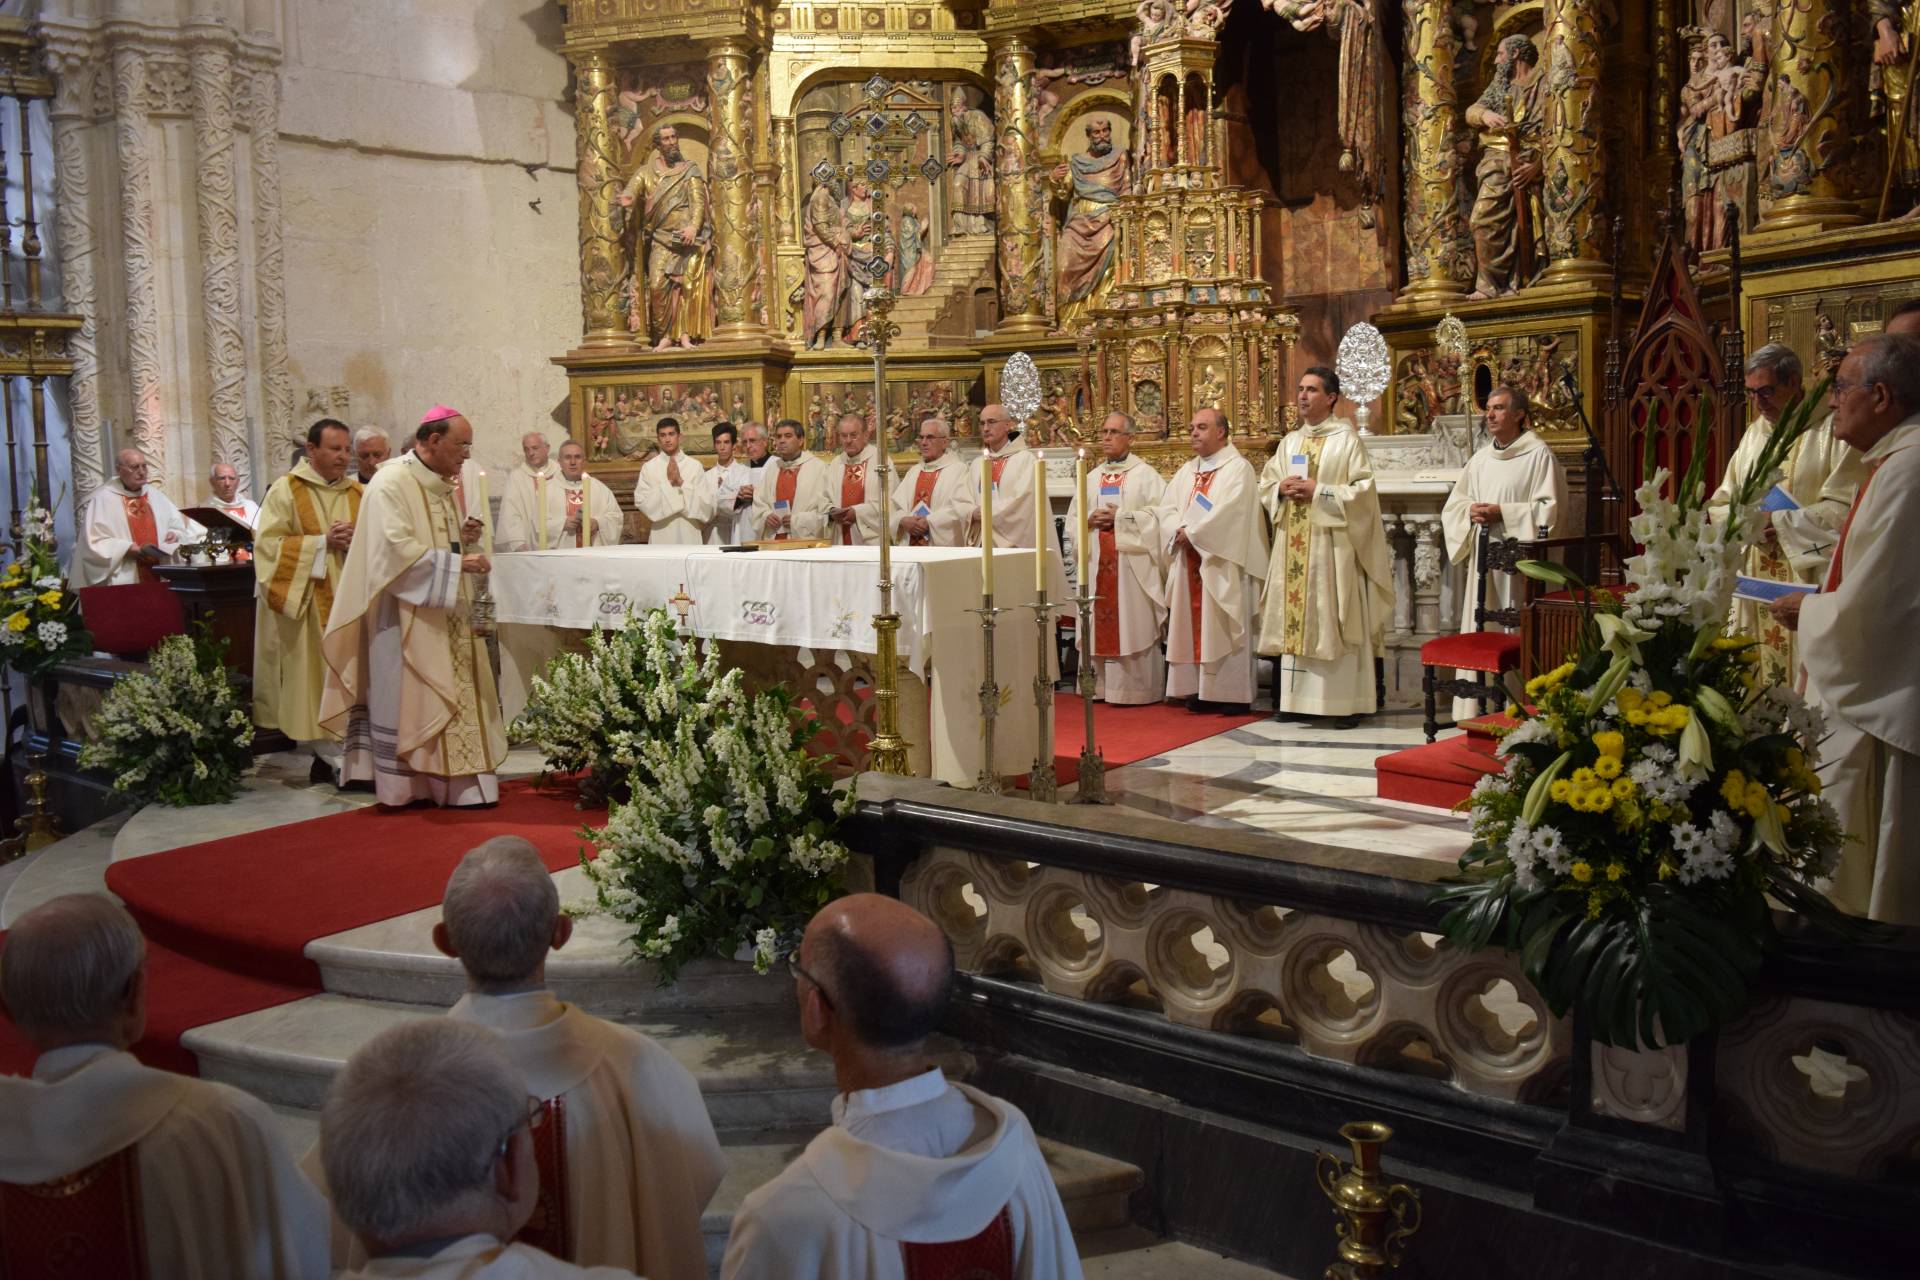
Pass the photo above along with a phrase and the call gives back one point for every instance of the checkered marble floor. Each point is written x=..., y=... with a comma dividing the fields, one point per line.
x=1312, y=782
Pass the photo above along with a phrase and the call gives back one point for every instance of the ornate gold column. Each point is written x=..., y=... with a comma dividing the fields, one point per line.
x=1815, y=113
x=1017, y=210
x=1574, y=160
x=787, y=215
x=1435, y=235
x=736, y=256
x=599, y=185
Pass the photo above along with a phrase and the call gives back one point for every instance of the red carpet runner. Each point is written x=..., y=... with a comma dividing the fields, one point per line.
x=1126, y=735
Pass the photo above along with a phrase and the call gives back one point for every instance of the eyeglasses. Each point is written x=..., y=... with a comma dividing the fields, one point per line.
x=535, y=1117
x=1763, y=393
x=1841, y=386
x=799, y=972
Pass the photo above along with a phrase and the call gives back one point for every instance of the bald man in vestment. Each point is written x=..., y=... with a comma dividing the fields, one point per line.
x=159, y=1174
x=1128, y=569
x=126, y=528
x=854, y=480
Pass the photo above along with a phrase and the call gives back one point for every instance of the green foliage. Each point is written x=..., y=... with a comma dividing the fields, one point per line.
x=177, y=732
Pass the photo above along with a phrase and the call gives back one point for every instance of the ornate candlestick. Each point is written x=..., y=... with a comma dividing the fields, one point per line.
x=988, y=781
x=1093, y=765
x=887, y=752
x=1376, y=1217
x=1043, y=785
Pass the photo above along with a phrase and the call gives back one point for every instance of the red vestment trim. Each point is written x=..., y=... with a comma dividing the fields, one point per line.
x=987, y=1256
x=1196, y=595
x=142, y=529
x=853, y=492
x=1106, y=585
x=923, y=486
x=86, y=1223
x=547, y=1229
x=785, y=485
x=1836, y=569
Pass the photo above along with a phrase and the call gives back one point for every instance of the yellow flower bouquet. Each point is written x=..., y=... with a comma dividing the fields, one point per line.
x=40, y=623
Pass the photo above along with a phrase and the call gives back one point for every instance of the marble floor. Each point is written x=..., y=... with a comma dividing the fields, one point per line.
x=1312, y=782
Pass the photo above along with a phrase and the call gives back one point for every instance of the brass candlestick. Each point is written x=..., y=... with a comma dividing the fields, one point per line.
x=887, y=752
x=1093, y=765
x=1375, y=1217
x=988, y=781
x=1043, y=785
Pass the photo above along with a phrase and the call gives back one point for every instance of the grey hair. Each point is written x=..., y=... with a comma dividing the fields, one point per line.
x=371, y=432
x=67, y=964
x=1778, y=359
x=525, y=436
x=214, y=470
x=945, y=428
x=745, y=427
x=1516, y=397
x=1893, y=360
x=413, y=1124
x=1132, y=427
x=499, y=910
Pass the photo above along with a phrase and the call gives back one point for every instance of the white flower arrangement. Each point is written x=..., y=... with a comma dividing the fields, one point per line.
x=39, y=617
x=175, y=733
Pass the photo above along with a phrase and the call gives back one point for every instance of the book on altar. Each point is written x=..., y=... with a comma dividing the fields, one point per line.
x=1766, y=591
x=1297, y=467
x=1778, y=499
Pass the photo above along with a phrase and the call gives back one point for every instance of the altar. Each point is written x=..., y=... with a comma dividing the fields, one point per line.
x=805, y=618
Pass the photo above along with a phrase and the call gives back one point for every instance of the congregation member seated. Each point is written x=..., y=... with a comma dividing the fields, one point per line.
x=625, y=1122
x=917, y=1175
x=428, y=1146
x=109, y=1167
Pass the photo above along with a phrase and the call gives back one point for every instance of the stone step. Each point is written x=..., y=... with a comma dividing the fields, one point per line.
x=753, y=1068
x=1133, y=1253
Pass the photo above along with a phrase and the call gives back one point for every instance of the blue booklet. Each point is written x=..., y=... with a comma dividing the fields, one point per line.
x=1778, y=499
x=1765, y=591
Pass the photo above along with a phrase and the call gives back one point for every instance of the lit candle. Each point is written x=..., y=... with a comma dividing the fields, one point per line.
x=881, y=473
x=986, y=525
x=1042, y=524
x=1082, y=545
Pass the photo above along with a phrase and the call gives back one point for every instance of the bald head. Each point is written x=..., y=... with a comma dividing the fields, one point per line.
x=887, y=969
x=851, y=431
x=130, y=468
x=996, y=424
x=71, y=972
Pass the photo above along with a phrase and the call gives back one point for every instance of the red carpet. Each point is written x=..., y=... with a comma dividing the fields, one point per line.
x=1440, y=774
x=1128, y=734
x=228, y=921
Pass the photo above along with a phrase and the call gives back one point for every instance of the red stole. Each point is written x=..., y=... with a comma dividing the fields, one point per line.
x=1196, y=595
x=547, y=1229
x=84, y=1224
x=987, y=1256
x=785, y=485
x=1106, y=582
x=853, y=492
x=1835, y=568
x=923, y=487
x=141, y=528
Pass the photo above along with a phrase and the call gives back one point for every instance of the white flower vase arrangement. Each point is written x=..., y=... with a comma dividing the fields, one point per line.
x=1654, y=794
x=40, y=624
x=175, y=733
x=719, y=840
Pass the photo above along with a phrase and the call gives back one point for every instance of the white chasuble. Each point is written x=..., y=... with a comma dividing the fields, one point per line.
x=1127, y=565
x=941, y=493
x=297, y=575
x=731, y=520
x=854, y=483
x=679, y=512
x=538, y=505
x=481, y=1257
x=1857, y=643
x=409, y=684
x=1213, y=582
x=219, y=1195
x=114, y=524
x=641, y=1158
x=1525, y=480
x=1820, y=473
x=955, y=1168
x=1013, y=492
x=795, y=489
x=1330, y=589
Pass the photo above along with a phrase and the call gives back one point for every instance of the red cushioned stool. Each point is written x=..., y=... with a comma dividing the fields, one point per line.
x=1485, y=653
x=127, y=621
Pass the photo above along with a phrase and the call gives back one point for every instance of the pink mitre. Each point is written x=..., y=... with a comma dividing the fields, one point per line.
x=439, y=413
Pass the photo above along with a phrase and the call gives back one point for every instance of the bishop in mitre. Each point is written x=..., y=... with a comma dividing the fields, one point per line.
x=1800, y=523
x=933, y=503
x=1127, y=568
x=1514, y=488
x=409, y=684
x=126, y=528
x=1208, y=525
x=149, y=1172
x=299, y=550
x=854, y=480
x=673, y=491
x=791, y=499
x=1330, y=586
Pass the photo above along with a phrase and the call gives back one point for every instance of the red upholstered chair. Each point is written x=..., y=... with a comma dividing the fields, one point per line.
x=128, y=621
x=1485, y=653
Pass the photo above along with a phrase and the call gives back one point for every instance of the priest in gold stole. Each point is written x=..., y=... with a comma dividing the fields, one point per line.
x=409, y=683
x=299, y=549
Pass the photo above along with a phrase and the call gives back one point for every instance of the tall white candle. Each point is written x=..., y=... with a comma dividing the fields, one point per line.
x=986, y=525
x=1042, y=523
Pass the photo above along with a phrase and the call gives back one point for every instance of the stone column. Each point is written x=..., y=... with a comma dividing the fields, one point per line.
x=269, y=260
x=131, y=123
x=1017, y=213
x=1574, y=159
x=1811, y=177
x=211, y=63
x=75, y=68
x=599, y=177
x=736, y=256
x=1429, y=559
x=1435, y=235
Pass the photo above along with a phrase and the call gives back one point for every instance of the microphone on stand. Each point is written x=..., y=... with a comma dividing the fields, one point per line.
x=1595, y=459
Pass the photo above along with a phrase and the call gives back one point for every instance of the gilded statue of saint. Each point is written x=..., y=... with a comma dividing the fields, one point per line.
x=1896, y=24
x=970, y=168
x=1511, y=118
x=672, y=298
x=1091, y=184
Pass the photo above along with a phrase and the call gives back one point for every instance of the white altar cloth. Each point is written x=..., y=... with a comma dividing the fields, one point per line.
x=821, y=598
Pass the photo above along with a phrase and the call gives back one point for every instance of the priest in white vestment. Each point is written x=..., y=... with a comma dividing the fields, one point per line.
x=1820, y=476
x=1330, y=587
x=917, y=1175
x=1015, y=471
x=1513, y=488
x=428, y=1142
x=791, y=498
x=527, y=495
x=854, y=479
x=1128, y=568
x=1857, y=637
x=126, y=528
x=732, y=490
x=573, y=508
x=673, y=491
x=159, y=1174
x=299, y=551
x=1208, y=527
x=409, y=683
x=227, y=499
x=932, y=506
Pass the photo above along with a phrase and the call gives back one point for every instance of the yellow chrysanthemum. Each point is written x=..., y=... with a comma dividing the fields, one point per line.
x=1560, y=790
x=1622, y=789
x=51, y=599
x=1755, y=801
x=1628, y=698
x=1615, y=871
x=1661, y=698
x=1583, y=778
x=18, y=622
x=1582, y=872
x=1595, y=902
x=1637, y=717
x=1733, y=789
x=1607, y=767
x=1612, y=743
x=1600, y=799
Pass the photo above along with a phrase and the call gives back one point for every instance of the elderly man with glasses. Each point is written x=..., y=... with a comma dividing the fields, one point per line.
x=1801, y=518
x=933, y=504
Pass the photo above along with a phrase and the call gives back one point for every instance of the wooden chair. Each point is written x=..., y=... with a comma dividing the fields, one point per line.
x=1480, y=651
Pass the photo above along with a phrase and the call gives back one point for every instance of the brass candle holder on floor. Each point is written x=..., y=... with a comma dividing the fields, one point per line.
x=1093, y=765
x=1375, y=1217
x=1043, y=784
x=988, y=781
